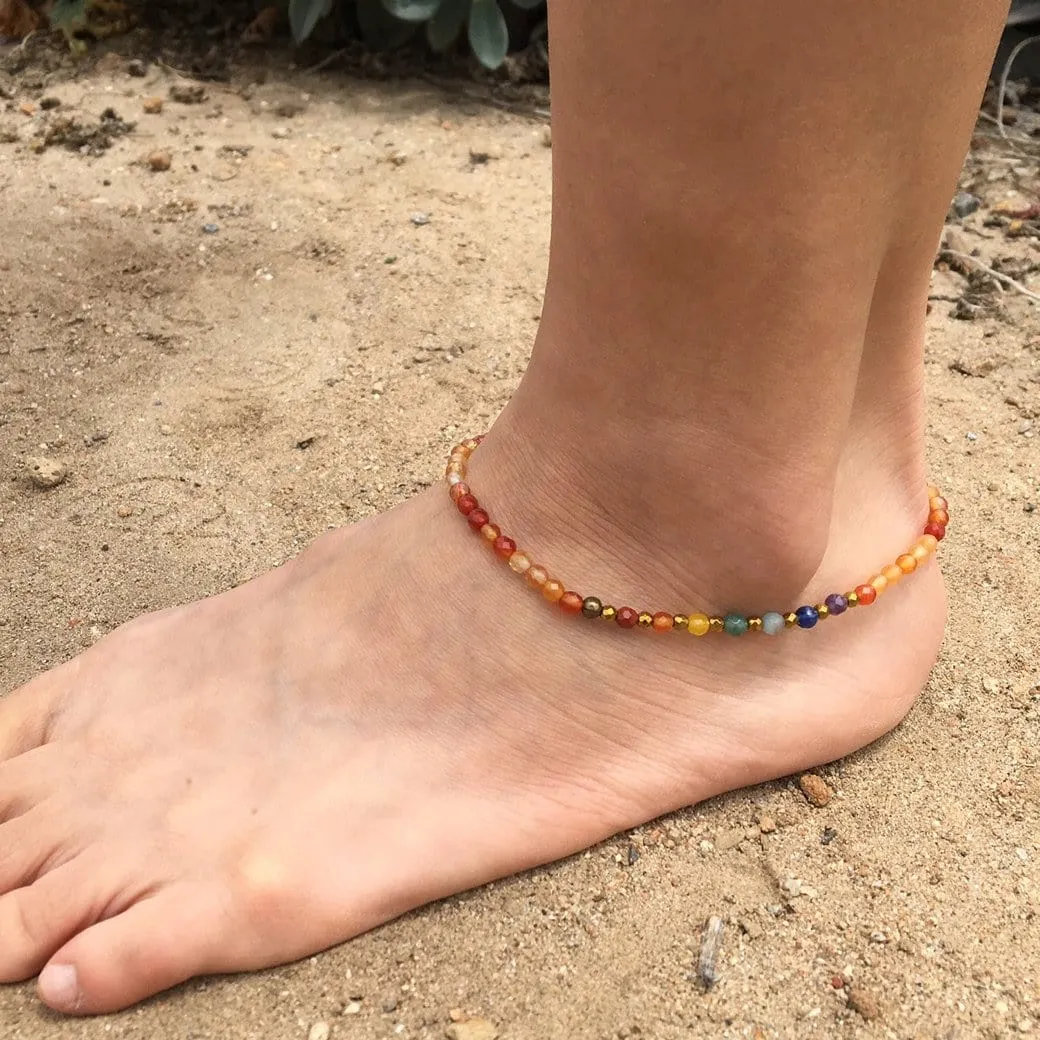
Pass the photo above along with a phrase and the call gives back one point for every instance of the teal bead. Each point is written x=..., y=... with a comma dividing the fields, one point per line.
x=772, y=623
x=735, y=624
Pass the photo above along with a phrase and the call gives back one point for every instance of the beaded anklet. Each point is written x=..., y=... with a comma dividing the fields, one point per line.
x=770, y=623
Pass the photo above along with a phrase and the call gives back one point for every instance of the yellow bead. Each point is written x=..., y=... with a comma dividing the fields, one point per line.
x=680, y=621
x=790, y=620
x=823, y=610
x=933, y=491
x=880, y=583
x=717, y=624
x=893, y=573
x=754, y=624
x=609, y=613
x=852, y=599
x=698, y=624
x=929, y=541
x=645, y=619
x=520, y=562
x=920, y=552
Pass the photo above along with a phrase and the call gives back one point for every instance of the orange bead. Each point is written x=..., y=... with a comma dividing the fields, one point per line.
x=456, y=491
x=938, y=502
x=519, y=562
x=552, y=590
x=491, y=532
x=907, y=563
x=920, y=552
x=893, y=573
x=663, y=622
x=571, y=603
x=866, y=594
x=536, y=576
x=939, y=516
x=880, y=583
x=929, y=541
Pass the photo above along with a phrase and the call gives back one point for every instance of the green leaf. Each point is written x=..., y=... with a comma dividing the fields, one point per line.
x=380, y=29
x=304, y=15
x=488, y=35
x=443, y=28
x=412, y=10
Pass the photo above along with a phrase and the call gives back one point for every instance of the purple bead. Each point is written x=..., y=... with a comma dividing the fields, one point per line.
x=836, y=604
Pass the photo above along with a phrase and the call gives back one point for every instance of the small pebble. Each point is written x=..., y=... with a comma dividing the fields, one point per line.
x=188, y=93
x=972, y=436
x=44, y=472
x=547, y=137
x=864, y=1003
x=990, y=685
x=210, y=229
x=48, y=103
x=729, y=839
x=766, y=824
x=1025, y=1025
x=472, y=1029
x=389, y=1005
x=633, y=855
x=152, y=105
x=828, y=835
x=124, y=512
x=964, y=204
x=816, y=791
x=353, y=1008
x=280, y=133
x=319, y=1031
x=160, y=161
x=136, y=68
x=419, y=219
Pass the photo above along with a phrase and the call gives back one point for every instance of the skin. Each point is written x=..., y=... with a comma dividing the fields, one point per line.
x=724, y=407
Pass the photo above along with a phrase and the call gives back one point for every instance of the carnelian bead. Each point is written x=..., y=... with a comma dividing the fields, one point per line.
x=536, y=575
x=938, y=502
x=929, y=542
x=663, y=622
x=879, y=583
x=892, y=573
x=626, y=617
x=504, y=547
x=920, y=552
x=937, y=531
x=552, y=590
x=466, y=504
x=571, y=603
x=456, y=491
x=520, y=562
x=490, y=532
x=865, y=595
x=477, y=518
x=907, y=563
x=939, y=516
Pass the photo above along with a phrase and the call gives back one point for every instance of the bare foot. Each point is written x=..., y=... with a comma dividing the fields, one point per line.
x=392, y=690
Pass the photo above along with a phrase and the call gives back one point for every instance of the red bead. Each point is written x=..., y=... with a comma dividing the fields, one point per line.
x=466, y=504
x=477, y=519
x=937, y=531
x=571, y=603
x=663, y=622
x=626, y=617
x=866, y=594
x=504, y=547
x=456, y=491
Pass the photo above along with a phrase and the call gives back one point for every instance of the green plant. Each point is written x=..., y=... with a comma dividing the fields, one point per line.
x=389, y=23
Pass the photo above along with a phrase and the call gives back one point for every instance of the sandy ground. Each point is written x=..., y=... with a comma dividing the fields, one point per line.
x=222, y=394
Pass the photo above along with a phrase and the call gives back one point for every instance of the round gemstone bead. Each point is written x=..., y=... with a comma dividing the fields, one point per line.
x=920, y=551
x=879, y=583
x=456, y=491
x=906, y=563
x=939, y=516
x=698, y=624
x=491, y=533
x=552, y=590
x=937, y=531
x=465, y=503
x=645, y=619
x=772, y=623
x=520, y=562
x=892, y=573
x=504, y=547
x=806, y=617
x=938, y=502
x=930, y=542
x=454, y=478
x=836, y=603
x=592, y=607
x=626, y=617
x=477, y=518
x=735, y=624
x=866, y=594
x=663, y=622
x=571, y=603
x=536, y=575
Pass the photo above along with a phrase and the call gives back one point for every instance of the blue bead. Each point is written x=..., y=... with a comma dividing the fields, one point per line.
x=735, y=624
x=806, y=617
x=772, y=623
x=836, y=603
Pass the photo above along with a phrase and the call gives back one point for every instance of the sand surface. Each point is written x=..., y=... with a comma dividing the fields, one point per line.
x=221, y=395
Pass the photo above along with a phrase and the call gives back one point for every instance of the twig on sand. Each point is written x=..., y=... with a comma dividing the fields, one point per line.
x=1004, y=77
x=711, y=944
x=326, y=61
x=966, y=258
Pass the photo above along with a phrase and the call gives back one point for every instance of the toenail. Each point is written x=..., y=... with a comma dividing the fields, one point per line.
x=58, y=986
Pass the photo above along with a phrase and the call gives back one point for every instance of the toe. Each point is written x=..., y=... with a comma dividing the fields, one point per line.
x=26, y=713
x=35, y=920
x=153, y=945
x=32, y=845
x=31, y=778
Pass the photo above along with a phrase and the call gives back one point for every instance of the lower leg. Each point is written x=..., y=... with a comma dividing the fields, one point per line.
x=723, y=408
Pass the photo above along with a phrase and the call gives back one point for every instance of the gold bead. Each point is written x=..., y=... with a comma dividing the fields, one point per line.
x=790, y=620
x=717, y=624
x=680, y=621
x=823, y=610
x=609, y=613
x=754, y=624
x=852, y=598
x=645, y=619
